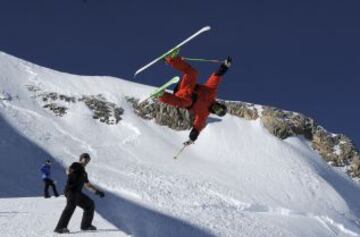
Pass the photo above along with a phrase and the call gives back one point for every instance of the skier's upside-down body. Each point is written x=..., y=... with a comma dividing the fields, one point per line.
x=198, y=99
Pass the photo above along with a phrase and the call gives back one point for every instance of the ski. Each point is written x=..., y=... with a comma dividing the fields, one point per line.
x=163, y=87
x=172, y=81
x=202, y=30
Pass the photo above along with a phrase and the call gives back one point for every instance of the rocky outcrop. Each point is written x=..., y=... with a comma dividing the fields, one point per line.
x=284, y=124
x=103, y=110
x=242, y=110
x=354, y=169
x=52, y=96
x=165, y=115
x=57, y=109
x=52, y=100
x=337, y=149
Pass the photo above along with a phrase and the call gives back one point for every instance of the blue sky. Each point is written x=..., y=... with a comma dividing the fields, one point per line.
x=302, y=56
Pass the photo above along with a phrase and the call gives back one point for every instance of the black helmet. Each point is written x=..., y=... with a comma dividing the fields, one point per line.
x=85, y=156
x=218, y=109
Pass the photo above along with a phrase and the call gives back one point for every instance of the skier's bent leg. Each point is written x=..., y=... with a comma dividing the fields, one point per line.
x=188, y=81
x=179, y=64
x=181, y=102
x=89, y=207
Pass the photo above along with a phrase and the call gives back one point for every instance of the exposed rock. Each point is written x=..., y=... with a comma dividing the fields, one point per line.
x=103, y=110
x=67, y=98
x=302, y=125
x=57, y=109
x=175, y=118
x=354, y=170
x=54, y=96
x=347, y=147
x=51, y=96
x=284, y=124
x=242, y=110
x=337, y=149
x=50, y=100
x=277, y=122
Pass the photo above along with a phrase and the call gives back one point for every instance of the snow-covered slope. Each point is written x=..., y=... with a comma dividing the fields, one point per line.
x=237, y=180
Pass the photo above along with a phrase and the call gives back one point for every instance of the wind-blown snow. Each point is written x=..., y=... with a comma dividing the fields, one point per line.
x=237, y=180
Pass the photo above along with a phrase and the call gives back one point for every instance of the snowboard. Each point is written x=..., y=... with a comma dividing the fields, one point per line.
x=202, y=30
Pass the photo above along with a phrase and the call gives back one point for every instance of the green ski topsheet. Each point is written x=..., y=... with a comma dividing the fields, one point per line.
x=172, y=81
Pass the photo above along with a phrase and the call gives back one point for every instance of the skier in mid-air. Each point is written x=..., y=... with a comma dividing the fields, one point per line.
x=48, y=182
x=198, y=99
x=77, y=178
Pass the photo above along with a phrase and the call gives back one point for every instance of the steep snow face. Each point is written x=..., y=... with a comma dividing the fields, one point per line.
x=237, y=180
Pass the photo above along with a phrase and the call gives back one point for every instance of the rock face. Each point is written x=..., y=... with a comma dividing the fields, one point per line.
x=103, y=110
x=284, y=124
x=178, y=119
x=242, y=110
x=52, y=100
x=57, y=109
x=337, y=149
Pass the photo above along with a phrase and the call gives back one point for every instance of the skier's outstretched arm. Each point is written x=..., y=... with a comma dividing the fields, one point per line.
x=199, y=124
x=215, y=78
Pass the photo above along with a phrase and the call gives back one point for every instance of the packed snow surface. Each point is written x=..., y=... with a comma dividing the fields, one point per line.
x=237, y=180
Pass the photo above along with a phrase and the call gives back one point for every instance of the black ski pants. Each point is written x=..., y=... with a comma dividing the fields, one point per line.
x=49, y=183
x=77, y=199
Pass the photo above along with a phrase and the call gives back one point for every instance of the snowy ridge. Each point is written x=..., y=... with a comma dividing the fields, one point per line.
x=237, y=180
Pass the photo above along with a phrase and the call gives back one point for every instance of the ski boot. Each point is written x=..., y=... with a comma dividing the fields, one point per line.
x=224, y=67
x=173, y=54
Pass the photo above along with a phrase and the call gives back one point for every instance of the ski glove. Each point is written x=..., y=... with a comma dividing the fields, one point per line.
x=224, y=67
x=99, y=193
x=193, y=134
x=188, y=142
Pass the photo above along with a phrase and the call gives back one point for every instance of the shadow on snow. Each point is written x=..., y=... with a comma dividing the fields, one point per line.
x=20, y=162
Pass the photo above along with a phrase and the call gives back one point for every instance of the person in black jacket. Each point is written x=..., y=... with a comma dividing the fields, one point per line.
x=77, y=179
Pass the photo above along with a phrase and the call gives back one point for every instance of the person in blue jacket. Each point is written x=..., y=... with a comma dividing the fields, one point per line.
x=46, y=170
